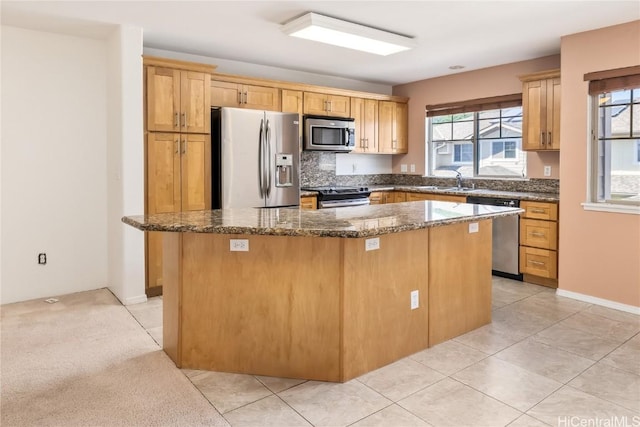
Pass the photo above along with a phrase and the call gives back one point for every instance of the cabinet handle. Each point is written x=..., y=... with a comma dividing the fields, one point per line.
x=184, y=120
x=177, y=146
x=536, y=210
x=549, y=140
x=245, y=98
x=239, y=98
x=537, y=234
x=329, y=104
x=537, y=263
x=542, y=139
x=393, y=144
x=177, y=122
x=366, y=143
x=184, y=146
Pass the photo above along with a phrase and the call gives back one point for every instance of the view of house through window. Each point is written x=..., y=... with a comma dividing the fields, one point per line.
x=482, y=143
x=617, y=146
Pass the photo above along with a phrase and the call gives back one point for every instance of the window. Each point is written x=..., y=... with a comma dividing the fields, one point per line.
x=615, y=141
x=476, y=138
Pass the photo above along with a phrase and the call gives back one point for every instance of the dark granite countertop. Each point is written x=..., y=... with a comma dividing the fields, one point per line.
x=358, y=221
x=485, y=192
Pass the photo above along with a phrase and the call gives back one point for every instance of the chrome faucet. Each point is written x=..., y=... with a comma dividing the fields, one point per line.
x=458, y=179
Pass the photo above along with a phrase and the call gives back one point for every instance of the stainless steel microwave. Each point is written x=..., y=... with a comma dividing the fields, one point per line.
x=336, y=134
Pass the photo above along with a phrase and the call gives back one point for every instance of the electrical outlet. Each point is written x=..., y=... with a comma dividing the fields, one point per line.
x=403, y=168
x=413, y=168
x=239, y=245
x=547, y=171
x=415, y=299
x=354, y=167
x=474, y=227
x=372, y=244
x=42, y=258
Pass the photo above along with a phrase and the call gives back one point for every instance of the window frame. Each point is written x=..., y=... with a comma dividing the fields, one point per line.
x=475, y=141
x=601, y=83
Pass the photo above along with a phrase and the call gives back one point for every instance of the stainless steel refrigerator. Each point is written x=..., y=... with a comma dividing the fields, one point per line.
x=255, y=158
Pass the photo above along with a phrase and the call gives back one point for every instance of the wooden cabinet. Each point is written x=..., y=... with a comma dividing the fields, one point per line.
x=365, y=113
x=378, y=197
x=177, y=100
x=227, y=94
x=321, y=104
x=178, y=179
x=541, y=111
x=177, y=147
x=392, y=127
x=309, y=202
x=412, y=197
x=398, y=196
x=539, y=243
x=292, y=102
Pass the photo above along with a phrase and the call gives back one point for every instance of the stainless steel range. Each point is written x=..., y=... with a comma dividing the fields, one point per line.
x=339, y=197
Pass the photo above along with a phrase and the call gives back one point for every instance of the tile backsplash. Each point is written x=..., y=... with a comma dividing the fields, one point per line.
x=318, y=169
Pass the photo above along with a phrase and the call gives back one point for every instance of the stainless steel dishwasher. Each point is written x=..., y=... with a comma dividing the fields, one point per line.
x=506, y=238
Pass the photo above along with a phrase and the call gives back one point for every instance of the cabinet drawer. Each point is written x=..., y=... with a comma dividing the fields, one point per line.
x=539, y=234
x=308, y=202
x=412, y=197
x=378, y=198
x=539, y=262
x=540, y=210
x=399, y=196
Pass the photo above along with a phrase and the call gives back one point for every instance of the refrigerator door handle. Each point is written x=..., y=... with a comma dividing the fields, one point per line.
x=268, y=144
x=260, y=159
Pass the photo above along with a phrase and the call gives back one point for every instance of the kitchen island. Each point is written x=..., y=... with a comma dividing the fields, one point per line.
x=325, y=295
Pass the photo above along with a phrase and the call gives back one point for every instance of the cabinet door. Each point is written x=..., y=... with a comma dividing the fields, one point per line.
x=553, y=114
x=163, y=99
x=370, y=125
x=386, y=111
x=339, y=106
x=196, y=172
x=292, y=101
x=154, y=259
x=224, y=94
x=357, y=109
x=378, y=198
x=261, y=98
x=399, y=196
x=315, y=103
x=163, y=173
x=401, y=119
x=534, y=115
x=195, y=101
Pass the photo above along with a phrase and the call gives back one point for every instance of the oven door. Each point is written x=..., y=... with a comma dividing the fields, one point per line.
x=326, y=204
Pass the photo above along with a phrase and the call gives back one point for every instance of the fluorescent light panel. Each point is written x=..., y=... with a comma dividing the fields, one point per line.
x=333, y=31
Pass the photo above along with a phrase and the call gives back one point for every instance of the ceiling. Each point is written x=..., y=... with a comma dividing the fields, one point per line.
x=476, y=34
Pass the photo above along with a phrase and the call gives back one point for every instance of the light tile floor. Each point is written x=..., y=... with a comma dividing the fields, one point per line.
x=544, y=360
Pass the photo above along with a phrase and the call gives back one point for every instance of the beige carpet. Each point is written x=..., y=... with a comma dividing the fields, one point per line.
x=85, y=361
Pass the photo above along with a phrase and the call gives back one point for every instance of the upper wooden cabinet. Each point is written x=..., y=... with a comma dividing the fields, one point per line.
x=292, y=101
x=365, y=112
x=226, y=94
x=392, y=127
x=321, y=104
x=178, y=100
x=541, y=111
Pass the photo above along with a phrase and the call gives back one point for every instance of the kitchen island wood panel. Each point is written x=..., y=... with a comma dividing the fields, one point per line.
x=459, y=287
x=325, y=294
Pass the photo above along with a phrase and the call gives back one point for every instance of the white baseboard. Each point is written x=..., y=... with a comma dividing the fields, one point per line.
x=135, y=300
x=599, y=301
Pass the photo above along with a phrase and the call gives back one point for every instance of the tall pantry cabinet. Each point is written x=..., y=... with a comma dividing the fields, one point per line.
x=177, y=148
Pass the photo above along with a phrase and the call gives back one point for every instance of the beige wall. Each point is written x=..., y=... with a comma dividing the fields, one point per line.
x=494, y=81
x=599, y=251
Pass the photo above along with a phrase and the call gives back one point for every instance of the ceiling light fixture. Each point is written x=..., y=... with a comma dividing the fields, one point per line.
x=313, y=26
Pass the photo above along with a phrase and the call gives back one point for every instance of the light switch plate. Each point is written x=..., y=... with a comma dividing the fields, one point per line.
x=474, y=227
x=547, y=171
x=413, y=168
x=403, y=168
x=415, y=299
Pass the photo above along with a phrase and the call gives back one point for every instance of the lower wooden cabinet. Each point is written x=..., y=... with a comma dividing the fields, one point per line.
x=412, y=197
x=308, y=202
x=539, y=243
x=378, y=197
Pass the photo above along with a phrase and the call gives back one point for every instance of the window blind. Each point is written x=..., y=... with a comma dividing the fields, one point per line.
x=611, y=80
x=480, y=104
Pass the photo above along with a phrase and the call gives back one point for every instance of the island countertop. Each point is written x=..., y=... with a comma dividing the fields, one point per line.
x=353, y=222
